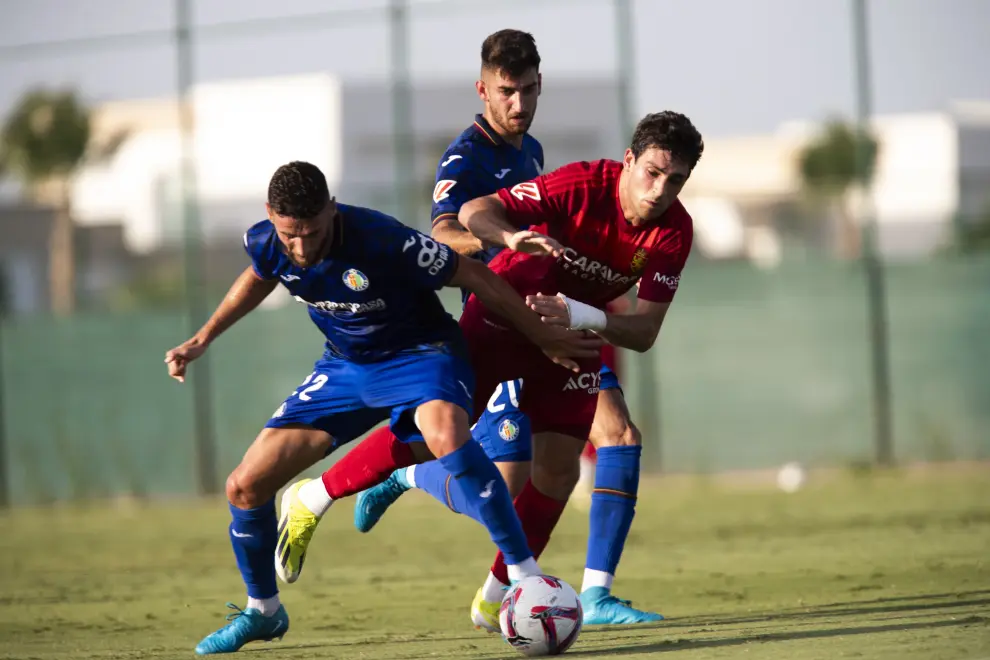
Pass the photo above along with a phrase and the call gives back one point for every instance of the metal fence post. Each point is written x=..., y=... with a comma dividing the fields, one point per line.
x=875, y=285
x=199, y=374
x=401, y=101
x=4, y=475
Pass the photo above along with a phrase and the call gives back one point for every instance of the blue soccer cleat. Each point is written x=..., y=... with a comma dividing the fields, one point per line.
x=602, y=608
x=245, y=626
x=372, y=504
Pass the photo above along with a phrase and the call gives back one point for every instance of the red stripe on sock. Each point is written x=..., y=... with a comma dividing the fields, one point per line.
x=620, y=493
x=538, y=514
x=368, y=464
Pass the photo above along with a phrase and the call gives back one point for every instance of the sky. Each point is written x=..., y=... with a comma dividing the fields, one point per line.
x=734, y=66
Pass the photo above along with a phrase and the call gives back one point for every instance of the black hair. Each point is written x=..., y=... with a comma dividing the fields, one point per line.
x=512, y=52
x=668, y=131
x=298, y=190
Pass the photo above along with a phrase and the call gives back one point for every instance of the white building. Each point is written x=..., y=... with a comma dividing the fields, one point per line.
x=932, y=170
x=245, y=129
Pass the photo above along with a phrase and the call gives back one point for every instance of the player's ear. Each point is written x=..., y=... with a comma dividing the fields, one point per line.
x=539, y=84
x=268, y=210
x=482, y=91
x=628, y=159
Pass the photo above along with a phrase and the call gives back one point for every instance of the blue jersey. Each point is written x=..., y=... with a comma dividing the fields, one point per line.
x=478, y=163
x=374, y=294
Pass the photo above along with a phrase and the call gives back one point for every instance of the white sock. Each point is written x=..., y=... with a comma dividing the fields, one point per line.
x=267, y=606
x=315, y=497
x=411, y=475
x=523, y=569
x=493, y=589
x=594, y=578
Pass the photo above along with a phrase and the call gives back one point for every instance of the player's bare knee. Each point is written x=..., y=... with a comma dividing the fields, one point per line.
x=242, y=491
x=444, y=427
x=444, y=436
x=444, y=439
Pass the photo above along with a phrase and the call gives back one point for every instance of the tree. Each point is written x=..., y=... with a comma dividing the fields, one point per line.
x=43, y=142
x=831, y=171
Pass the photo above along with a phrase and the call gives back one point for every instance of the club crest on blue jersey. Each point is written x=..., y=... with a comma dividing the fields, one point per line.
x=355, y=280
x=508, y=430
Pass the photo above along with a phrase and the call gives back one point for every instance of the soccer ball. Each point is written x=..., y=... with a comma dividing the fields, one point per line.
x=791, y=477
x=541, y=615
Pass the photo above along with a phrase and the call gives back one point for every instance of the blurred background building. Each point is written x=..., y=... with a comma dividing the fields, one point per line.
x=796, y=335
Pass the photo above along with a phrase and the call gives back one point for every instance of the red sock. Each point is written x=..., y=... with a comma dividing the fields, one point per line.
x=589, y=452
x=538, y=514
x=368, y=464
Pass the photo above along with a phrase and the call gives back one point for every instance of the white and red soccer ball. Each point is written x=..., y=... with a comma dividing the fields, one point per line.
x=541, y=615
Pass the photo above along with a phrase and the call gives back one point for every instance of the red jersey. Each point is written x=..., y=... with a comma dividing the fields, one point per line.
x=604, y=255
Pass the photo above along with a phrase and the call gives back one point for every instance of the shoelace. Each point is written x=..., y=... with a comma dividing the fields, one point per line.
x=238, y=612
x=608, y=600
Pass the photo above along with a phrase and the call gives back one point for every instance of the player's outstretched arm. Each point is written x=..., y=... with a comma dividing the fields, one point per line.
x=559, y=344
x=637, y=331
x=488, y=220
x=450, y=232
x=246, y=293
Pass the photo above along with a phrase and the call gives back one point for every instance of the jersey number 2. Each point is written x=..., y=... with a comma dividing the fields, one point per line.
x=319, y=381
x=525, y=189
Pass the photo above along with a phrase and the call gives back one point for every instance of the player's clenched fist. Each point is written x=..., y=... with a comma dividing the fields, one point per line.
x=532, y=242
x=179, y=357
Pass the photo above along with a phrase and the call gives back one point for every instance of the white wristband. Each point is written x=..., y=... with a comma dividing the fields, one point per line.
x=583, y=317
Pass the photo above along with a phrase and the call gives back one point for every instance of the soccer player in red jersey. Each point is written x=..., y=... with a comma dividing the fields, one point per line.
x=595, y=230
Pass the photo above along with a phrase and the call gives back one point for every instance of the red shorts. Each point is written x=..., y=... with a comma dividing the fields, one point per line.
x=554, y=398
x=609, y=357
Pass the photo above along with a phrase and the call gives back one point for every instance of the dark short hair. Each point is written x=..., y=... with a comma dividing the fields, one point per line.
x=298, y=190
x=512, y=52
x=668, y=131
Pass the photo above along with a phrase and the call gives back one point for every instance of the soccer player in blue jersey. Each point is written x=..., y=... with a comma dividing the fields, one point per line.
x=496, y=152
x=391, y=352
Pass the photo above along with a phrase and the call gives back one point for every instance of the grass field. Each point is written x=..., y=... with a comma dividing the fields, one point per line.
x=892, y=565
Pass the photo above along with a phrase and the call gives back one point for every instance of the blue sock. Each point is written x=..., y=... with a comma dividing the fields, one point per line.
x=254, y=533
x=613, y=505
x=486, y=499
x=434, y=478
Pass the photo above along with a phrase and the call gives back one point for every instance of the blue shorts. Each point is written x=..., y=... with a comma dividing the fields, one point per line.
x=503, y=430
x=609, y=380
x=346, y=398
